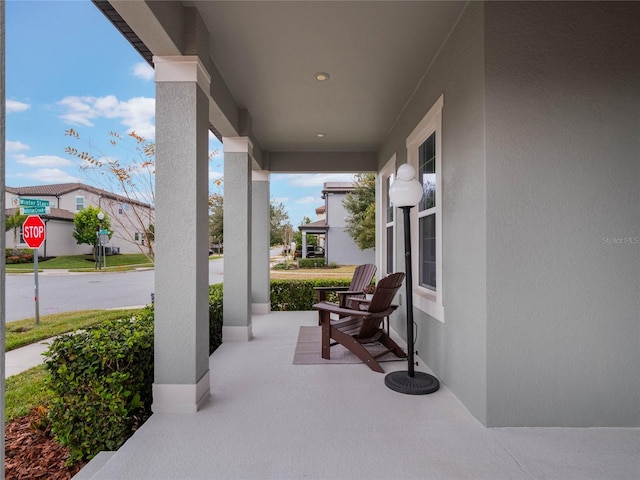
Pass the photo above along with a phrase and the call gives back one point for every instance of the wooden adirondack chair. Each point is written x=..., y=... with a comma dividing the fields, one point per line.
x=362, y=276
x=357, y=327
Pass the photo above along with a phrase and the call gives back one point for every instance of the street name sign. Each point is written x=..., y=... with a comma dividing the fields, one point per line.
x=33, y=202
x=35, y=210
x=33, y=231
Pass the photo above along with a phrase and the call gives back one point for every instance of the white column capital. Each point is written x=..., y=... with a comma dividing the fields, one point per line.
x=237, y=145
x=181, y=68
x=260, y=175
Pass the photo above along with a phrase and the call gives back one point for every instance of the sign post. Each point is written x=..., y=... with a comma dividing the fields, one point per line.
x=34, y=233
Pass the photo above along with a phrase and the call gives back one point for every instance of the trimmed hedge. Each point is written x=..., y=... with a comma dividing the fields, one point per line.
x=101, y=378
x=311, y=263
x=288, y=295
x=215, y=317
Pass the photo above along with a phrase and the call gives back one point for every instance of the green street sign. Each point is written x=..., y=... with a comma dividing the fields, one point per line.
x=103, y=231
x=32, y=202
x=35, y=210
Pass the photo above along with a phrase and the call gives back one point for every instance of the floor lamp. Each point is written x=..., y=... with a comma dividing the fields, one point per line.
x=405, y=193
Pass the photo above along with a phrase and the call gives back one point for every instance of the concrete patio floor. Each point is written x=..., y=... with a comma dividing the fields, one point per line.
x=270, y=419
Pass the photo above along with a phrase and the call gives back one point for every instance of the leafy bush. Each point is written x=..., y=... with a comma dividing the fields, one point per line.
x=289, y=295
x=24, y=256
x=101, y=378
x=215, y=317
x=311, y=263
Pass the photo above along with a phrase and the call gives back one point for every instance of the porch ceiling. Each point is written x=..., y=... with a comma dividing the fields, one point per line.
x=268, y=52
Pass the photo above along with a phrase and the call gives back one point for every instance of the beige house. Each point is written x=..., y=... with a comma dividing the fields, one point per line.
x=129, y=218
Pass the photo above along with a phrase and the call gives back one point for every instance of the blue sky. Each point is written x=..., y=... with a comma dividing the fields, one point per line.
x=68, y=67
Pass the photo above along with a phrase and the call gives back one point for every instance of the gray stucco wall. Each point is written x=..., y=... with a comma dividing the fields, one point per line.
x=455, y=350
x=563, y=155
x=341, y=248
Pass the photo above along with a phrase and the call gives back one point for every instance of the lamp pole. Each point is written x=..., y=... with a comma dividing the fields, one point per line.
x=405, y=193
x=100, y=218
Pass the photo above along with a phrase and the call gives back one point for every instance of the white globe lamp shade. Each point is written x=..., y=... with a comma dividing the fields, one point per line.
x=100, y=216
x=406, y=191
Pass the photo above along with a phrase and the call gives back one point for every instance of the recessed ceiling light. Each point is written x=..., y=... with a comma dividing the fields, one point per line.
x=320, y=135
x=321, y=76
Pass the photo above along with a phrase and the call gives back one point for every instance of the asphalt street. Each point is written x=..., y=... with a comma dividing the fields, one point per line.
x=63, y=291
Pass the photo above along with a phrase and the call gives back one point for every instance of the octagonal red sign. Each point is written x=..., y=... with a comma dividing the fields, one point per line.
x=33, y=231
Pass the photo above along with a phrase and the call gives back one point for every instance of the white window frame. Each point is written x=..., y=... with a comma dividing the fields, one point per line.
x=83, y=202
x=427, y=300
x=389, y=170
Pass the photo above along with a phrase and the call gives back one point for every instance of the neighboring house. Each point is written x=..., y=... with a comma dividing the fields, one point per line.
x=523, y=114
x=331, y=229
x=66, y=199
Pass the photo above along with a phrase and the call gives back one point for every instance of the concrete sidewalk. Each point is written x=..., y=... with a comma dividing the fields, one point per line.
x=24, y=358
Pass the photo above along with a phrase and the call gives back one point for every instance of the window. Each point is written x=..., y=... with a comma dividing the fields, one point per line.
x=424, y=153
x=387, y=219
x=136, y=236
x=79, y=203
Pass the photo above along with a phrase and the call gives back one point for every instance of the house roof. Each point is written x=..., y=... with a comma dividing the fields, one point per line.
x=337, y=187
x=56, y=214
x=57, y=189
x=320, y=225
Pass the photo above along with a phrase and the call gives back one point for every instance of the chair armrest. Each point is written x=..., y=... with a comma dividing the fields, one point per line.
x=322, y=291
x=333, y=308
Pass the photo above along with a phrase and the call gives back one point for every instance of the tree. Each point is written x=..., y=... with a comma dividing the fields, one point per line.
x=86, y=226
x=279, y=219
x=132, y=177
x=14, y=222
x=361, y=207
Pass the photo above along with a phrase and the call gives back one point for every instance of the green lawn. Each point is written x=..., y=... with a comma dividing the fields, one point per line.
x=85, y=263
x=25, y=332
x=24, y=392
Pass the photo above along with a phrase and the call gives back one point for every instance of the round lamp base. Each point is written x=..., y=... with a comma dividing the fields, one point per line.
x=420, y=384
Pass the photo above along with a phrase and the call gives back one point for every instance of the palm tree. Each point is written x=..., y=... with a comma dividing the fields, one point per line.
x=14, y=222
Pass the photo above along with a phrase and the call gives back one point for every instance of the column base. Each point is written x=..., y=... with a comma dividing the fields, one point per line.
x=181, y=398
x=261, y=308
x=237, y=334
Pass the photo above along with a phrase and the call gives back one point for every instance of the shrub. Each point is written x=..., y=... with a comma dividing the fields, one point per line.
x=311, y=263
x=101, y=378
x=288, y=295
x=215, y=317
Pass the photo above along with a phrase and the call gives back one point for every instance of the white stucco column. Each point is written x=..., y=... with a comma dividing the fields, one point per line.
x=181, y=383
x=260, y=236
x=303, y=252
x=237, y=239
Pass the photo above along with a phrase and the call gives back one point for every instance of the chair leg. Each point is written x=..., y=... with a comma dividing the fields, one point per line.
x=392, y=346
x=325, y=322
x=357, y=349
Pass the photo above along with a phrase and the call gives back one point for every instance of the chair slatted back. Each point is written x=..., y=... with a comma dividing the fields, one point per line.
x=382, y=297
x=362, y=276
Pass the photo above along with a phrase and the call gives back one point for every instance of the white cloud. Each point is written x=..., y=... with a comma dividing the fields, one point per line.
x=43, y=161
x=318, y=179
x=13, y=106
x=143, y=70
x=136, y=113
x=213, y=176
x=50, y=175
x=305, y=200
x=15, y=146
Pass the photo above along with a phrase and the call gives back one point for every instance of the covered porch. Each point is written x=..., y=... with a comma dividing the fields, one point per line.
x=526, y=297
x=270, y=419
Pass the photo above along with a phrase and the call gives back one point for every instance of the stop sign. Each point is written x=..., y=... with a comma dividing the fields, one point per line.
x=33, y=231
